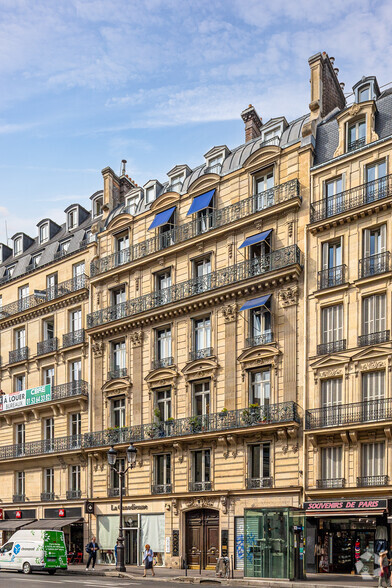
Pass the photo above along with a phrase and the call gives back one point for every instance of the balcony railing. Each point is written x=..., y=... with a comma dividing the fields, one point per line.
x=47, y=346
x=19, y=498
x=42, y=296
x=161, y=489
x=331, y=347
x=374, y=265
x=366, y=481
x=117, y=373
x=273, y=261
x=16, y=355
x=350, y=199
x=115, y=492
x=200, y=353
x=162, y=363
x=200, y=486
x=258, y=483
x=73, y=338
x=218, y=218
x=47, y=496
x=326, y=483
x=78, y=388
x=352, y=145
x=285, y=412
x=333, y=276
x=373, y=338
x=348, y=414
x=73, y=494
x=263, y=339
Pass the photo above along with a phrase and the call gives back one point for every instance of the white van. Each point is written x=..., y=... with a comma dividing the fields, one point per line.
x=33, y=550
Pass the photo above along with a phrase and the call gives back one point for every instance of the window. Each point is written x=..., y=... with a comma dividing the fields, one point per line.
x=49, y=480
x=20, y=438
x=201, y=398
x=122, y=248
x=373, y=312
x=23, y=297
x=98, y=203
x=333, y=273
x=374, y=247
x=44, y=233
x=202, y=337
x=331, y=399
x=376, y=183
x=118, y=358
x=163, y=343
x=64, y=247
x=163, y=404
x=20, y=338
x=78, y=270
x=163, y=284
x=49, y=434
x=260, y=324
x=51, y=286
x=201, y=467
x=331, y=463
x=130, y=206
x=72, y=219
x=373, y=456
x=150, y=194
x=259, y=461
x=20, y=483
x=364, y=94
x=20, y=383
x=259, y=249
x=356, y=135
x=215, y=164
x=260, y=387
x=373, y=394
x=74, y=481
x=75, y=370
x=202, y=275
x=166, y=232
x=118, y=296
x=114, y=477
x=264, y=185
x=48, y=329
x=333, y=195
x=268, y=135
x=75, y=320
x=35, y=260
x=49, y=376
x=162, y=471
x=9, y=271
x=332, y=323
x=18, y=246
x=118, y=412
x=176, y=182
x=75, y=429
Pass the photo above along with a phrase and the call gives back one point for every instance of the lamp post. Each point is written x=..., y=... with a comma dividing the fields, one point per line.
x=131, y=460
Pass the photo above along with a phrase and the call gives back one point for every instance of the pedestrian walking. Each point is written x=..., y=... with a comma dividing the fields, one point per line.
x=384, y=568
x=92, y=549
x=148, y=559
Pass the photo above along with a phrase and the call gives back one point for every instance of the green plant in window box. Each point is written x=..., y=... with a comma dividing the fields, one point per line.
x=157, y=414
x=195, y=424
x=113, y=434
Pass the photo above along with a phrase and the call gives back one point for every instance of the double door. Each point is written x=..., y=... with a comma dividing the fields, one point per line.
x=202, y=538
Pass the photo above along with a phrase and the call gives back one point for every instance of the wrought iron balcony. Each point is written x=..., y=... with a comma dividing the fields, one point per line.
x=273, y=261
x=73, y=494
x=351, y=199
x=19, y=498
x=16, y=355
x=259, y=483
x=333, y=276
x=117, y=373
x=161, y=489
x=373, y=338
x=218, y=218
x=263, y=339
x=162, y=363
x=349, y=414
x=47, y=346
x=42, y=296
x=331, y=347
x=47, y=496
x=200, y=353
x=326, y=483
x=352, y=145
x=73, y=338
x=200, y=486
x=77, y=388
x=374, y=265
x=366, y=481
x=115, y=492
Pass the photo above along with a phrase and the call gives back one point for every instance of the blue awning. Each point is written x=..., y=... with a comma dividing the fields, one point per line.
x=201, y=202
x=161, y=218
x=255, y=239
x=255, y=302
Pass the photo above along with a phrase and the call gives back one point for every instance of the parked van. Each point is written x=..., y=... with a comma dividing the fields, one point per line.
x=33, y=550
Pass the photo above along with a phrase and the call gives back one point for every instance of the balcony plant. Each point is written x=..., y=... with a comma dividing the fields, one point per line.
x=195, y=424
x=113, y=434
x=169, y=425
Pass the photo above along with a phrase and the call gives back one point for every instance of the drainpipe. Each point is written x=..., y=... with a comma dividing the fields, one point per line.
x=305, y=338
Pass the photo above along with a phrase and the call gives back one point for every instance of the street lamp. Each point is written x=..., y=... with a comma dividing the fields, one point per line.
x=121, y=471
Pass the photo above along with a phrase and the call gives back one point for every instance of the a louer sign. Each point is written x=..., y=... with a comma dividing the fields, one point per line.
x=26, y=397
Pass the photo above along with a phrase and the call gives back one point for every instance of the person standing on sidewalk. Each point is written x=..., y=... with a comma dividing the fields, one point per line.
x=92, y=549
x=148, y=558
x=384, y=568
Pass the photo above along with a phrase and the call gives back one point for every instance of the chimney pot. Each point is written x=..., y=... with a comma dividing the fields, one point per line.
x=342, y=84
x=336, y=70
x=332, y=60
x=123, y=168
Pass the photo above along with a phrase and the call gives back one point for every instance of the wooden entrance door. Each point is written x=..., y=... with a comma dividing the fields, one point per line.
x=202, y=538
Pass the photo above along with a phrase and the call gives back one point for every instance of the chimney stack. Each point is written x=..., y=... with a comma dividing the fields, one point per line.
x=326, y=92
x=252, y=122
x=123, y=167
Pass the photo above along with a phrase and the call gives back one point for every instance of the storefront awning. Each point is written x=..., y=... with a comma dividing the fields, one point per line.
x=255, y=239
x=201, y=202
x=161, y=218
x=53, y=523
x=255, y=302
x=14, y=524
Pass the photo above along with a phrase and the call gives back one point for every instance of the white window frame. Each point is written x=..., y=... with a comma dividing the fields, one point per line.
x=18, y=246
x=74, y=478
x=201, y=390
x=201, y=333
x=260, y=385
x=164, y=404
x=118, y=412
x=251, y=465
x=373, y=314
x=20, y=382
x=150, y=194
x=72, y=219
x=331, y=462
x=44, y=233
x=97, y=206
x=332, y=323
x=49, y=480
x=204, y=453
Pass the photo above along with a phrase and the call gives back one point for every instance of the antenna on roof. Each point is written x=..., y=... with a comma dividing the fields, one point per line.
x=123, y=166
x=6, y=231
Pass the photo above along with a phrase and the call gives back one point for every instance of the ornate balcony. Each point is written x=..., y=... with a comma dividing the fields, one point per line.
x=252, y=483
x=16, y=355
x=326, y=483
x=117, y=373
x=273, y=261
x=200, y=353
x=353, y=145
x=73, y=494
x=218, y=218
x=115, y=492
x=333, y=276
x=47, y=346
x=73, y=338
x=373, y=338
x=374, y=265
x=349, y=414
x=162, y=363
x=366, y=481
x=47, y=496
x=19, y=498
x=161, y=489
x=200, y=486
x=351, y=199
x=263, y=339
x=331, y=347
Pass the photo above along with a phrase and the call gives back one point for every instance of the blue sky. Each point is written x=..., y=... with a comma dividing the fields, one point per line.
x=86, y=83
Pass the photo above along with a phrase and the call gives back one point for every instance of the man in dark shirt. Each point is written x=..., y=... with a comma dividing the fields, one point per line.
x=92, y=549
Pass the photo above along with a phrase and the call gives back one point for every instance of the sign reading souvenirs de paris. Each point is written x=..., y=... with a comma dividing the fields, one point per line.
x=346, y=505
x=26, y=397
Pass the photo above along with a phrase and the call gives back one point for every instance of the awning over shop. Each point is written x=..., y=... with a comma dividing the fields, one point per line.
x=161, y=218
x=255, y=302
x=201, y=202
x=53, y=523
x=14, y=524
x=255, y=239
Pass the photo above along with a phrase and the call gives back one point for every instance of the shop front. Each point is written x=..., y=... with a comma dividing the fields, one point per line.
x=346, y=536
x=13, y=520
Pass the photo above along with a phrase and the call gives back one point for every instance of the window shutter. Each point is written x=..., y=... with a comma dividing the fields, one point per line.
x=383, y=238
x=366, y=243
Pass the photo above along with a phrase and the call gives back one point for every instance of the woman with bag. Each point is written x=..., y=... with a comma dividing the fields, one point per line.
x=148, y=560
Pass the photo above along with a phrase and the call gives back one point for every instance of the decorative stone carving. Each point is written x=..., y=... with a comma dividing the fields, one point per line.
x=175, y=506
x=224, y=501
x=289, y=296
x=203, y=502
x=372, y=365
x=97, y=348
x=230, y=250
x=229, y=312
x=136, y=338
x=62, y=462
x=355, y=108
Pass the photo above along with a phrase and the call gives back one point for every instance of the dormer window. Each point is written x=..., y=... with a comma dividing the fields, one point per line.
x=9, y=271
x=130, y=206
x=97, y=206
x=35, y=260
x=150, y=194
x=269, y=135
x=214, y=165
x=44, y=233
x=364, y=94
x=18, y=245
x=356, y=135
x=72, y=220
x=176, y=182
x=64, y=247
